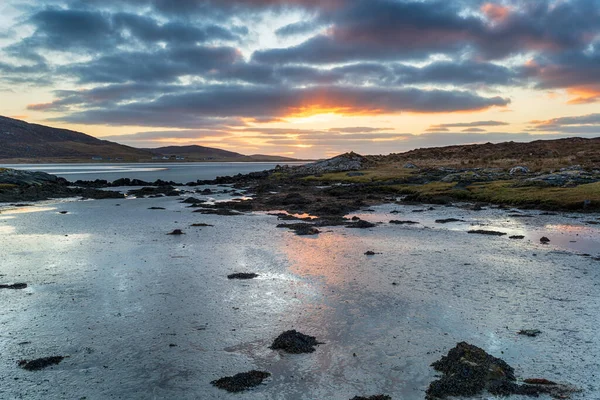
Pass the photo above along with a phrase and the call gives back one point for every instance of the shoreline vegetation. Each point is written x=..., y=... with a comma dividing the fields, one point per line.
x=526, y=175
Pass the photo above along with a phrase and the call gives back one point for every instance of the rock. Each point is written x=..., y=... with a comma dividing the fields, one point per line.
x=176, y=232
x=468, y=371
x=14, y=286
x=397, y=222
x=529, y=332
x=516, y=237
x=295, y=342
x=156, y=208
x=193, y=200
x=344, y=162
x=409, y=165
x=448, y=220
x=518, y=170
x=544, y=240
x=242, y=381
x=370, y=253
x=9, y=176
x=200, y=224
x=462, y=177
x=361, y=224
x=242, y=275
x=165, y=190
x=218, y=211
x=63, y=212
x=485, y=232
x=301, y=229
x=40, y=363
x=539, y=381
x=376, y=397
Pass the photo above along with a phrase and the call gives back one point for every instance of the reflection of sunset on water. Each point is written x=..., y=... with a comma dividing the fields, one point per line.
x=328, y=255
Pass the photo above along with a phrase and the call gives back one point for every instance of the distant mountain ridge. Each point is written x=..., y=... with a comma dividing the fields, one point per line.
x=24, y=142
x=202, y=153
x=21, y=140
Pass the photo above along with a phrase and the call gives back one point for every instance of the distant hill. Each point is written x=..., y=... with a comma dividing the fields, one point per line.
x=537, y=154
x=20, y=140
x=195, y=152
x=201, y=153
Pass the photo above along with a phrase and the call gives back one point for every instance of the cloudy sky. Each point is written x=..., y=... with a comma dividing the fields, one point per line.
x=304, y=78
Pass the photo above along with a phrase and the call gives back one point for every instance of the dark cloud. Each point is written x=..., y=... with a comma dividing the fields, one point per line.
x=297, y=28
x=396, y=30
x=470, y=124
x=581, y=124
x=165, y=65
x=101, y=32
x=178, y=110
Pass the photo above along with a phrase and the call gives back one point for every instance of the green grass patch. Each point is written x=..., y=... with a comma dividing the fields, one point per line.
x=368, y=175
x=505, y=192
x=7, y=186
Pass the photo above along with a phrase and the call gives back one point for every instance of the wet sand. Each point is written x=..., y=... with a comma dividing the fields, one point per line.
x=142, y=314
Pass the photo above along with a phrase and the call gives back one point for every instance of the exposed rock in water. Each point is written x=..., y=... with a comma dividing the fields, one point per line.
x=156, y=208
x=448, y=220
x=242, y=381
x=544, y=240
x=469, y=371
x=40, y=363
x=397, y=222
x=485, y=232
x=529, y=332
x=301, y=229
x=193, y=200
x=361, y=224
x=516, y=237
x=370, y=253
x=166, y=190
x=242, y=275
x=295, y=342
x=376, y=397
x=176, y=232
x=14, y=286
x=539, y=381
x=218, y=211
x=200, y=224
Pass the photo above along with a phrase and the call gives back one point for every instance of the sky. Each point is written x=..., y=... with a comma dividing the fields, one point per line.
x=304, y=78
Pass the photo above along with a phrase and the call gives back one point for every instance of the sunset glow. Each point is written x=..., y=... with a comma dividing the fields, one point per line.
x=300, y=77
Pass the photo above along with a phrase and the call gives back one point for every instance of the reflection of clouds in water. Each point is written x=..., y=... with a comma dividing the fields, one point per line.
x=113, y=170
x=568, y=228
x=92, y=169
x=6, y=229
x=26, y=210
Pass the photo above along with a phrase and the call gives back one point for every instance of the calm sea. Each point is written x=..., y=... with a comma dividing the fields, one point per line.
x=177, y=172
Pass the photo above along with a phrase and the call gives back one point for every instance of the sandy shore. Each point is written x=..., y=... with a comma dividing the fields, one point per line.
x=141, y=314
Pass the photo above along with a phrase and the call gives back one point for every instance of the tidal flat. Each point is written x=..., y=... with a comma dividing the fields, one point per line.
x=140, y=314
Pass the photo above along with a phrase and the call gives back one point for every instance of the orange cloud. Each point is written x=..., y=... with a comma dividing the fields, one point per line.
x=495, y=12
x=584, y=94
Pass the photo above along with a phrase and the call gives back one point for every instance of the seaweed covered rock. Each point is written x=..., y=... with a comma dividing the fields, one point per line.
x=242, y=381
x=468, y=371
x=40, y=363
x=295, y=342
